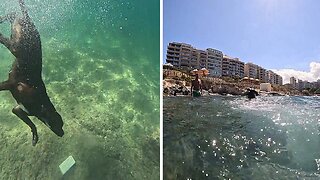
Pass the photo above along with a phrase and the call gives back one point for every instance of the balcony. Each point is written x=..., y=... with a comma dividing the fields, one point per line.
x=174, y=45
x=185, y=49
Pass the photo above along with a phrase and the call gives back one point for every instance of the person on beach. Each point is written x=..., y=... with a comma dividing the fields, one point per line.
x=196, y=87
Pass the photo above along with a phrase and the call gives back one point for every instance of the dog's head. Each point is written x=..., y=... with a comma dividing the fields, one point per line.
x=51, y=118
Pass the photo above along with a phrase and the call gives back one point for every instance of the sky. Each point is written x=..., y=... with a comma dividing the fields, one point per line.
x=280, y=35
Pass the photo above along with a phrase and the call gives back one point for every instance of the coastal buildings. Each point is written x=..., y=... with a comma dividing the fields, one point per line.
x=300, y=85
x=181, y=55
x=271, y=77
x=274, y=78
x=278, y=80
x=232, y=67
x=262, y=74
x=306, y=84
x=251, y=70
x=256, y=72
x=214, y=62
x=293, y=82
x=185, y=56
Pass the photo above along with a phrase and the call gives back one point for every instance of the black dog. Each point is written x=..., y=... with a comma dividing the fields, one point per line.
x=251, y=93
x=25, y=81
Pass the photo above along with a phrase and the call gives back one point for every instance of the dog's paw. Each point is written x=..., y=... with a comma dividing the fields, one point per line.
x=34, y=139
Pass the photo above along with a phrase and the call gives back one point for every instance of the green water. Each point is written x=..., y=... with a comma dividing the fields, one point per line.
x=101, y=68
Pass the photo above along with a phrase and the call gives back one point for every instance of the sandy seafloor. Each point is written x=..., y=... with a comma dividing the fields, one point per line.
x=101, y=69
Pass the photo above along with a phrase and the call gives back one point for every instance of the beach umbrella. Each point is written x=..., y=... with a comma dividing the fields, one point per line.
x=204, y=71
x=168, y=64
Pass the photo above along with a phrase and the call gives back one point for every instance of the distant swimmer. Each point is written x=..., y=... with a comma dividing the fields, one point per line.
x=251, y=93
x=196, y=87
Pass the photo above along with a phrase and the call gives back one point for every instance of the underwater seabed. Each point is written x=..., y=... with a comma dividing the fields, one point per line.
x=110, y=110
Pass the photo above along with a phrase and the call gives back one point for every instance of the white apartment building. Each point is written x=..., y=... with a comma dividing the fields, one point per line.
x=214, y=62
x=185, y=56
x=232, y=67
x=293, y=82
x=251, y=70
x=256, y=72
x=181, y=55
x=273, y=78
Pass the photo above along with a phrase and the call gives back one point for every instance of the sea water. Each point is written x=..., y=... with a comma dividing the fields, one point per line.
x=234, y=138
x=101, y=69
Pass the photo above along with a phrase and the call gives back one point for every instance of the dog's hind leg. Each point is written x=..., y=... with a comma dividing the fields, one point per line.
x=24, y=117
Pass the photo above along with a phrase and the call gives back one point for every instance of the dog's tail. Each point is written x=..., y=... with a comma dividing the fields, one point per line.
x=23, y=9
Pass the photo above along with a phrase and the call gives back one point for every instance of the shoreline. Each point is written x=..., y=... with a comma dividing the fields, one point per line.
x=173, y=87
x=177, y=82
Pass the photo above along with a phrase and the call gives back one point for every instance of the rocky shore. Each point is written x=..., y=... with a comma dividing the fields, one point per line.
x=177, y=82
x=179, y=87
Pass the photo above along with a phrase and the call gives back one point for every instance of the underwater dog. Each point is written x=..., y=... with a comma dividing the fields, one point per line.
x=25, y=82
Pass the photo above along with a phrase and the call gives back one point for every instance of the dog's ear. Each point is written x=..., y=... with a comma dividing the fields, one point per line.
x=23, y=8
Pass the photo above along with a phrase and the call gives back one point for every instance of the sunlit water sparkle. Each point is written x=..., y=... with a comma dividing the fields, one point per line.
x=231, y=137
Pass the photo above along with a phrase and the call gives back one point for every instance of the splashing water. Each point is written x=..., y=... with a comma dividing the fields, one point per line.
x=231, y=137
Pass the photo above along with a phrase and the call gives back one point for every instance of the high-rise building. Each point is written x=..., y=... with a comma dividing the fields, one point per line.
x=202, y=59
x=299, y=85
x=214, y=62
x=278, y=79
x=262, y=74
x=232, y=67
x=273, y=78
x=181, y=55
x=185, y=56
x=173, y=54
x=256, y=72
x=293, y=82
x=251, y=70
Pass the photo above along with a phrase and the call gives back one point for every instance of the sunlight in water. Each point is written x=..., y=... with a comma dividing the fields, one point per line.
x=101, y=70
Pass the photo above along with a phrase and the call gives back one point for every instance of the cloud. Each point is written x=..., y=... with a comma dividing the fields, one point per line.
x=312, y=75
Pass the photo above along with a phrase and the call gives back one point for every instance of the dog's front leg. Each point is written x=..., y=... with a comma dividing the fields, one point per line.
x=24, y=117
x=5, y=41
x=5, y=85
